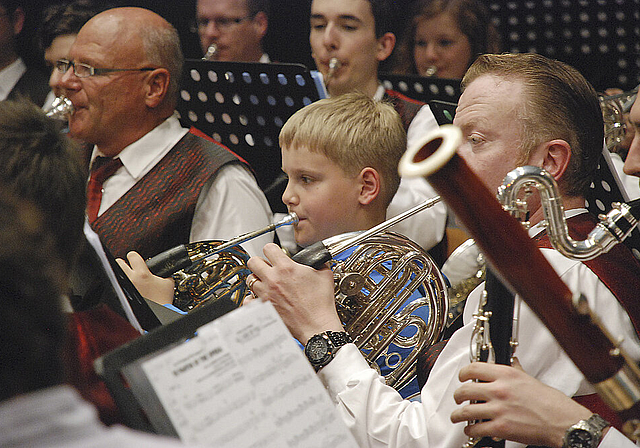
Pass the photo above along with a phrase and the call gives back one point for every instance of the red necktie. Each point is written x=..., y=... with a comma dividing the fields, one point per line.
x=101, y=169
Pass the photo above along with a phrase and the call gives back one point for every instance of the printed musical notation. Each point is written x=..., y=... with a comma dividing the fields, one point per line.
x=241, y=382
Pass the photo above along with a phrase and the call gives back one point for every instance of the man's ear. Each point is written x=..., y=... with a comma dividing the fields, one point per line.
x=369, y=185
x=555, y=155
x=157, y=86
x=385, y=46
x=261, y=22
x=17, y=20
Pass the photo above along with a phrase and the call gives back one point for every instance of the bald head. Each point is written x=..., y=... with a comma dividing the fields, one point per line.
x=138, y=62
x=133, y=36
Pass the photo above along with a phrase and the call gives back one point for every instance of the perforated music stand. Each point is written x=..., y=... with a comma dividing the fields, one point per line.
x=606, y=189
x=243, y=106
x=421, y=88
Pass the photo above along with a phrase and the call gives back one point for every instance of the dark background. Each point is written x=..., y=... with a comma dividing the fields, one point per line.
x=601, y=38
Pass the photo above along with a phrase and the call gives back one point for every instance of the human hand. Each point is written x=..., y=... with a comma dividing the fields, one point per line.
x=303, y=296
x=150, y=286
x=515, y=405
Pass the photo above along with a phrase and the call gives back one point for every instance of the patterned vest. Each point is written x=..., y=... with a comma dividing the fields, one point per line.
x=157, y=212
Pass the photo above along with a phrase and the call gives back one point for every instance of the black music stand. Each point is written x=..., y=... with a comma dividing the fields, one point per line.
x=421, y=88
x=110, y=366
x=243, y=106
x=607, y=189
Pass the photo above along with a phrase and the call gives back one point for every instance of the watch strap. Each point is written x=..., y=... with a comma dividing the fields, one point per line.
x=594, y=425
x=335, y=340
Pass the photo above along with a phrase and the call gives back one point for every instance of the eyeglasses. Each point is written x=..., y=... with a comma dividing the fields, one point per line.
x=222, y=23
x=85, y=70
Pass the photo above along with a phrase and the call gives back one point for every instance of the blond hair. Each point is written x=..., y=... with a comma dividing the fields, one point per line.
x=353, y=131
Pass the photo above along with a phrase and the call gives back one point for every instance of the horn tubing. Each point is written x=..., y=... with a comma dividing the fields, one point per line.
x=506, y=245
x=317, y=254
x=177, y=258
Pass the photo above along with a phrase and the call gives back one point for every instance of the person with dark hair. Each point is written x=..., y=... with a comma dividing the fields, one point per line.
x=161, y=185
x=37, y=407
x=16, y=79
x=444, y=37
x=349, y=39
x=40, y=164
x=232, y=30
x=58, y=29
x=515, y=109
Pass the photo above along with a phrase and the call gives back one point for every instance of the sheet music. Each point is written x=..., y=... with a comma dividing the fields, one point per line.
x=243, y=382
x=94, y=240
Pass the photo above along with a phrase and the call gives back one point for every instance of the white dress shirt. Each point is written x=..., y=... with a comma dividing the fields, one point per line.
x=427, y=227
x=378, y=417
x=59, y=417
x=9, y=77
x=228, y=206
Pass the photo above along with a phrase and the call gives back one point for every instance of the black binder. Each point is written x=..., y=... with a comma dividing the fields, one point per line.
x=243, y=106
x=110, y=366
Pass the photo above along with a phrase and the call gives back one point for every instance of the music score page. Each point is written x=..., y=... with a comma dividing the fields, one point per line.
x=241, y=382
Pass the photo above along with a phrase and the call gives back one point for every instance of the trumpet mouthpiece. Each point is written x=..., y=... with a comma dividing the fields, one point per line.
x=60, y=109
x=431, y=71
x=211, y=52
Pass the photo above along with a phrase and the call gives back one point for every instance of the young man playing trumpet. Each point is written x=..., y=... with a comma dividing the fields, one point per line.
x=515, y=110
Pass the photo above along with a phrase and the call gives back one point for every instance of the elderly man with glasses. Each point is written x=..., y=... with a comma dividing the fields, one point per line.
x=153, y=184
x=232, y=30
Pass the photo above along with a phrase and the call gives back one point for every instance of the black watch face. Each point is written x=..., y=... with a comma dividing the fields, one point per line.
x=317, y=349
x=579, y=438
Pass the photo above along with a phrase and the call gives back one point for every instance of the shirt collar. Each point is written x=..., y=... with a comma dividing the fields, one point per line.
x=379, y=93
x=140, y=156
x=535, y=230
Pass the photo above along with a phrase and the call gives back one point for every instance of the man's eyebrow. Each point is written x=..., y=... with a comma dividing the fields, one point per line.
x=341, y=17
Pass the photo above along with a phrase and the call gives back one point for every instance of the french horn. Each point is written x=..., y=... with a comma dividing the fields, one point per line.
x=372, y=286
x=375, y=274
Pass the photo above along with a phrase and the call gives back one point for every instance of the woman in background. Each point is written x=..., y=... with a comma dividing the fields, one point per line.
x=444, y=37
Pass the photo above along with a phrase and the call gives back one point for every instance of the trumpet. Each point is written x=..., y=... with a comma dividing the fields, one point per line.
x=60, y=109
x=211, y=52
x=334, y=65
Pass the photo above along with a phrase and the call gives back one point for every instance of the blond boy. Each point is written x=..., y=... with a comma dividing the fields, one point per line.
x=341, y=155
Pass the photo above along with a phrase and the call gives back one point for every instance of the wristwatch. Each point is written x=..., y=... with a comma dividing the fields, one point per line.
x=321, y=348
x=586, y=433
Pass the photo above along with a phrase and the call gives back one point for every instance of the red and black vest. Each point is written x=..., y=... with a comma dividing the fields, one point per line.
x=157, y=212
x=406, y=107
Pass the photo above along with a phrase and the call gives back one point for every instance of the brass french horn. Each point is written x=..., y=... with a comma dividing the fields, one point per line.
x=375, y=275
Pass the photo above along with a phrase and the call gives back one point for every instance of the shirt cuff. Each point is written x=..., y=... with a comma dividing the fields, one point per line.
x=347, y=363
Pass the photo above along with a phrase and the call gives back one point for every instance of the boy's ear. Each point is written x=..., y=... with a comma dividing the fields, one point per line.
x=369, y=185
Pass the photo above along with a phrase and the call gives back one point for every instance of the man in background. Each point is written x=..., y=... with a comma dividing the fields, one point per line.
x=232, y=30
x=16, y=79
